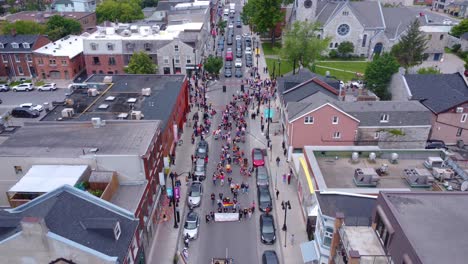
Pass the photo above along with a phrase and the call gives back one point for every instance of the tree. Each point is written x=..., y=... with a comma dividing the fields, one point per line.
x=149, y=3
x=59, y=27
x=213, y=64
x=345, y=48
x=459, y=29
x=410, y=50
x=23, y=27
x=263, y=15
x=222, y=25
x=141, y=63
x=379, y=73
x=119, y=11
x=429, y=70
x=301, y=44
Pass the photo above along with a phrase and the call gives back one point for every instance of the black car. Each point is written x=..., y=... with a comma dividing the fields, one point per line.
x=262, y=176
x=238, y=53
x=238, y=73
x=202, y=149
x=228, y=65
x=270, y=257
x=248, y=41
x=248, y=61
x=228, y=73
x=264, y=198
x=239, y=44
x=267, y=229
x=24, y=113
x=435, y=144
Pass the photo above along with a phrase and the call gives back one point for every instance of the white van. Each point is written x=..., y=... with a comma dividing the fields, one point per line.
x=232, y=7
x=226, y=12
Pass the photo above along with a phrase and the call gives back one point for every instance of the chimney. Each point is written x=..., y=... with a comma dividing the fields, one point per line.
x=13, y=32
x=33, y=226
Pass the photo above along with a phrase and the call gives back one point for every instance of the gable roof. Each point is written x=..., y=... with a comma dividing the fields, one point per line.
x=308, y=88
x=80, y=217
x=6, y=40
x=438, y=92
x=290, y=80
x=367, y=12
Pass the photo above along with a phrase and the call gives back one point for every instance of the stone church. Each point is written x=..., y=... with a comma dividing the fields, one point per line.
x=370, y=26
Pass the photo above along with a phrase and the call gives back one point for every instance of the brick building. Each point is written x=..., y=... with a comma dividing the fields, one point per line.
x=62, y=59
x=16, y=53
x=87, y=19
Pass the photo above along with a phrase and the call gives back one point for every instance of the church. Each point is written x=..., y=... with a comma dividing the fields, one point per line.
x=370, y=26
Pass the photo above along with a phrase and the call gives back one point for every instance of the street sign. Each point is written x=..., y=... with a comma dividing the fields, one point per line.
x=169, y=191
x=269, y=113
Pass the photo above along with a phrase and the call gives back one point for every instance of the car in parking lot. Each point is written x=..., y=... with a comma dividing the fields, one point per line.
x=4, y=88
x=267, y=229
x=269, y=257
x=24, y=113
x=228, y=65
x=238, y=44
x=258, y=157
x=238, y=63
x=195, y=194
x=248, y=61
x=248, y=50
x=199, y=170
x=435, y=144
x=228, y=73
x=229, y=40
x=229, y=55
x=262, y=176
x=220, y=41
x=238, y=73
x=47, y=87
x=238, y=37
x=231, y=25
x=23, y=87
x=192, y=222
x=202, y=149
x=31, y=106
x=220, y=49
x=264, y=198
x=238, y=53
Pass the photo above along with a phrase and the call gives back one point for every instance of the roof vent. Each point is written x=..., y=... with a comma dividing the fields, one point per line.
x=92, y=92
x=68, y=112
x=110, y=98
x=98, y=122
x=146, y=91
x=103, y=106
x=136, y=115
x=107, y=79
x=131, y=100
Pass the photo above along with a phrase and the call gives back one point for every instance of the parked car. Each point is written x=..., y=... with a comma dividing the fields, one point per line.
x=195, y=194
x=238, y=37
x=31, y=106
x=24, y=113
x=229, y=55
x=248, y=50
x=248, y=41
x=262, y=176
x=238, y=63
x=23, y=87
x=231, y=25
x=202, y=149
x=228, y=65
x=238, y=22
x=4, y=88
x=229, y=40
x=239, y=44
x=248, y=61
x=258, y=157
x=221, y=41
x=264, y=198
x=238, y=73
x=270, y=257
x=192, y=222
x=267, y=229
x=435, y=144
x=47, y=87
x=228, y=73
x=238, y=53
x=199, y=171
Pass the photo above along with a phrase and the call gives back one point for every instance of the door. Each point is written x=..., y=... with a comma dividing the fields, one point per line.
x=54, y=75
x=67, y=75
x=378, y=48
x=437, y=56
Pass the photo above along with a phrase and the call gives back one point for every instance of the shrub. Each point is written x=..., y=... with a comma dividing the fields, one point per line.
x=456, y=48
x=333, y=54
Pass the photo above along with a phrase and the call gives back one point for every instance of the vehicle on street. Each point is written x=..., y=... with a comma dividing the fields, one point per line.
x=264, y=198
x=238, y=53
x=229, y=40
x=4, y=88
x=238, y=23
x=24, y=113
x=239, y=44
x=238, y=73
x=228, y=73
x=192, y=222
x=267, y=229
x=195, y=194
x=269, y=257
x=31, y=106
x=221, y=41
x=199, y=171
x=220, y=49
x=248, y=41
x=229, y=55
x=435, y=144
x=228, y=65
x=238, y=37
x=231, y=25
x=47, y=87
x=238, y=63
x=262, y=176
x=248, y=50
x=248, y=61
x=202, y=149
x=23, y=87
x=258, y=157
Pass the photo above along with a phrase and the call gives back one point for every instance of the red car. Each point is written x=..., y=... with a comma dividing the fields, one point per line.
x=229, y=55
x=258, y=157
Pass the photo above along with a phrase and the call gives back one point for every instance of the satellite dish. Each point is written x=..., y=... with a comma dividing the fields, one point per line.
x=308, y=3
x=464, y=186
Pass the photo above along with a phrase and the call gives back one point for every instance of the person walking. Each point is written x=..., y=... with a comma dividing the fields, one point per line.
x=220, y=203
x=277, y=194
x=253, y=206
x=213, y=197
x=278, y=161
x=246, y=187
x=186, y=241
x=292, y=239
x=289, y=178
x=284, y=178
x=214, y=179
x=207, y=218
x=240, y=215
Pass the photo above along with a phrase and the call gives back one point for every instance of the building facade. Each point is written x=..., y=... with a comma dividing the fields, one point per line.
x=74, y=5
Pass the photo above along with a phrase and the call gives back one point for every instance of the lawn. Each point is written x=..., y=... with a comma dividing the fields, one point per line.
x=268, y=49
x=354, y=66
x=286, y=66
x=340, y=75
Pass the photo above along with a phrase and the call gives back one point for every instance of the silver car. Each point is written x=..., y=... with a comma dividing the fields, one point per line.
x=199, y=171
x=262, y=176
x=195, y=194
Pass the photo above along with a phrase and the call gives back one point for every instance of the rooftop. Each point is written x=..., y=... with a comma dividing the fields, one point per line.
x=129, y=195
x=21, y=40
x=69, y=46
x=444, y=216
x=334, y=171
x=74, y=139
x=112, y=100
x=357, y=209
x=364, y=240
x=43, y=16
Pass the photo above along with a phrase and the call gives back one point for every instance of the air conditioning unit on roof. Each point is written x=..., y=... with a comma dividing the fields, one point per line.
x=68, y=112
x=459, y=109
x=146, y=91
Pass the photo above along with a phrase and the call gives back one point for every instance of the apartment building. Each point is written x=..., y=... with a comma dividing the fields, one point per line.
x=87, y=19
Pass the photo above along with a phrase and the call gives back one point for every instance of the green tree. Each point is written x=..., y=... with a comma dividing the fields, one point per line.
x=141, y=63
x=459, y=29
x=59, y=27
x=410, y=50
x=345, y=48
x=119, y=11
x=24, y=27
x=429, y=70
x=213, y=64
x=301, y=44
x=379, y=73
x=263, y=16
x=222, y=26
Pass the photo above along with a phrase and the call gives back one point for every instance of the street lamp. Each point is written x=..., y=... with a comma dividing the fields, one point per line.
x=172, y=175
x=285, y=205
x=257, y=54
x=279, y=68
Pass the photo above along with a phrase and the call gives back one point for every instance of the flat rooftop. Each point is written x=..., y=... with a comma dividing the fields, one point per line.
x=364, y=240
x=433, y=222
x=69, y=46
x=129, y=195
x=333, y=169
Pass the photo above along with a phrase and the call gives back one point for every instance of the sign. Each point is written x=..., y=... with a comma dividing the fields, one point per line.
x=177, y=192
x=169, y=191
x=226, y=217
x=269, y=113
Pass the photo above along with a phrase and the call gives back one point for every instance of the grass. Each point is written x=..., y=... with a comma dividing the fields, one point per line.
x=286, y=66
x=340, y=75
x=355, y=66
x=269, y=49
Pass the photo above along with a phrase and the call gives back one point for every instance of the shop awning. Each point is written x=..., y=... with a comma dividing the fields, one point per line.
x=309, y=255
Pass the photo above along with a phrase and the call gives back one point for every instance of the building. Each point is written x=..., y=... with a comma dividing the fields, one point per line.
x=17, y=55
x=62, y=59
x=446, y=97
x=370, y=26
x=402, y=225
x=86, y=19
x=68, y=225
x=74, y=6
x=130, y=150
x=457, y=8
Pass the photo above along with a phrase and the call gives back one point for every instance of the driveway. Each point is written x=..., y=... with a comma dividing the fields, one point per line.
x=449, y=64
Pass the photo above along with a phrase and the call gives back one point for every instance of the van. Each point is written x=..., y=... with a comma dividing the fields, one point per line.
x=232, y=7
x=24, y=113
x=226, y=12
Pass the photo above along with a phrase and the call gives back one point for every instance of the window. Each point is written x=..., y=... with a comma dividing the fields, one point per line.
x=166, y=59
x=17, y=58
x=110, y=46
x=64, y=62
x=384, y=118
x=94, y=46
x=176, y=48
x=96, y=61
x=28, y=57
x=130, y=46
x=18, y=169
x=52, y=62
x=463, y=118
x=336, y=45
x=382, y=231
x=308, y=120
x=5, y=58
x=111, y=61
x=14, y=45
x=328, y=236
x=335, y=120
x=148, y=46
x=26, y=45
x=20, y=70
x=364, y=40
x=345, y=13
x=177, y=59
x=441, y=37
x=189, y=60
x=117, y=231
x=343, y=30
x=377, y=135
x=459, y=132
x=336, y=135
x=331, y=45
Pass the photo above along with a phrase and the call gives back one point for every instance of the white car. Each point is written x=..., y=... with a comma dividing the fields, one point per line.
x=238, y=37
x=23, y=87
x=4, y=88
x=238, y=63
x=195, y=195
x=192, y=222
x=248, y=50
x=231, y=25
x=47, y=87
x=31, y=106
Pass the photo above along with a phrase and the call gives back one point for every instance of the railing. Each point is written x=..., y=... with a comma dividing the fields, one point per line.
x=375, y=259
x=364, y=259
